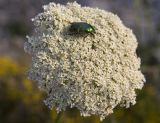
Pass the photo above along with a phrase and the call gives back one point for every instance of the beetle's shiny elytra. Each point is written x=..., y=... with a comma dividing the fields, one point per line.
x=81, y=28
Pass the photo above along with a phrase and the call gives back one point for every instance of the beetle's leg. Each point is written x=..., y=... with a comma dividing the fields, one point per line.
x=85, y=37
x=93, y=35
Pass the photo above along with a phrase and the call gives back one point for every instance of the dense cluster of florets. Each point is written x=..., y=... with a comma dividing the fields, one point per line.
x=94, y=74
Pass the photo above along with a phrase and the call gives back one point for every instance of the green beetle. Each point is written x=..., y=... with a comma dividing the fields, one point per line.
x=81, y=28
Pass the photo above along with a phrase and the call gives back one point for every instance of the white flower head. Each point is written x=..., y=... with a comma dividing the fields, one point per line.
x=93, y=74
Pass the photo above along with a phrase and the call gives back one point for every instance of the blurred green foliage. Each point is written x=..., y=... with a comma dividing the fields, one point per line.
x=20, y=100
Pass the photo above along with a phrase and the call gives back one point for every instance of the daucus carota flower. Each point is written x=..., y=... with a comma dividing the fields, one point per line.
x=94, y=74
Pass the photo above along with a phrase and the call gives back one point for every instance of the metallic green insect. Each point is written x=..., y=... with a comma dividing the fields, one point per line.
x=81, y=28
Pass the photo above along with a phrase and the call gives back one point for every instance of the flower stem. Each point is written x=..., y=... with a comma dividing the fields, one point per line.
x=58, y=117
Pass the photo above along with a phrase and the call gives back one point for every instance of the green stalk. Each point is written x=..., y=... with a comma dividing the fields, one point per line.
x=59, y=115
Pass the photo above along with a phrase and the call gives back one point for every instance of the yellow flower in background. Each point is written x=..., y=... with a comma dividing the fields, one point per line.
x=93, y=74
x=7, y=67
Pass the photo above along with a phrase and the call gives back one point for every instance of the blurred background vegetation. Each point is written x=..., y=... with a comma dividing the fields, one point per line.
x=20, y=99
